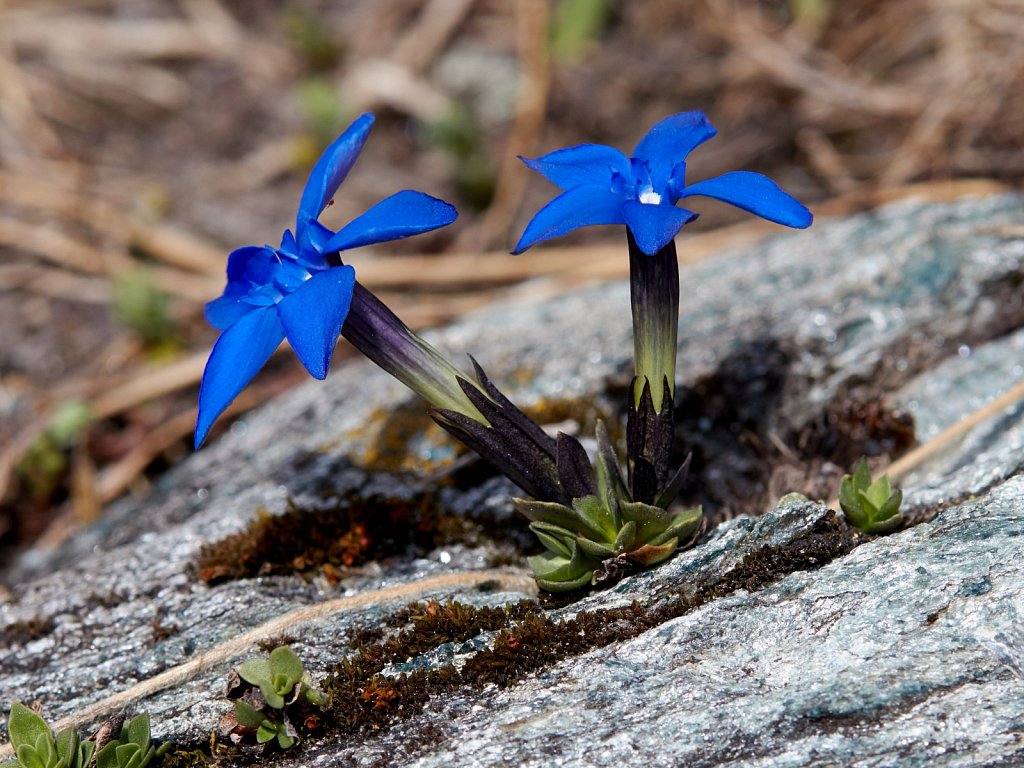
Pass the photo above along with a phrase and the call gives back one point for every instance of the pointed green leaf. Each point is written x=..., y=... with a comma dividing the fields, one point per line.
x=682, y=527
x=283, y=661
x=868, y=506
x=125, y=753
x=650, y=521
x=862, y=476
x=611, y=487
x=626, y=538
x=879, y=491
x=596, y=549
x=28, y=757
x=85, y=751
x=891, y=507
x=284, y=739
x=595, y=519
x=555, y=539
x=136, y=730
x=266, y=731
x=25, y=727
x=315, y=697
x=566, y=586
x=849, y=500
x=255, y=671
x=247, y=715
x=66, y=745
x=650, y=554
x=107, y=757
x=547, y=512
x=880, y=527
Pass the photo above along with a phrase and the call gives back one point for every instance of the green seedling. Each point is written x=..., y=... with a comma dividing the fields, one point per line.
x=872, y=507
x=281, y=679
x=36, y=746
x=267, y=729
x=133, y=749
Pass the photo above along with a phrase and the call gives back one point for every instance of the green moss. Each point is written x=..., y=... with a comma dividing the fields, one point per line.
x=527, y=640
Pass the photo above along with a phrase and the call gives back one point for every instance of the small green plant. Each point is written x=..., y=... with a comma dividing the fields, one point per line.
x=36, y=746
x=873, y=507
x=134, y=748
x=604, y=533
x=267, y=729
x=281, y=681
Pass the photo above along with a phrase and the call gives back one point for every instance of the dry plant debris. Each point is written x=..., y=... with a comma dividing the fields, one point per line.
x=140, y=141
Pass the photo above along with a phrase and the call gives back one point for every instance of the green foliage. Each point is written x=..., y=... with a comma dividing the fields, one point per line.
x=873, y=507
x=134, y=748
x=139, y=304
x=267, y=729
x=36, y=747
x=280, y=678
x=282, y=682
x=576, y=25
x=601, y=533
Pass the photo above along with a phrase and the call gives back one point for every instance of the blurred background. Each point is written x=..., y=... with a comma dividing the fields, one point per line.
x=141, y=140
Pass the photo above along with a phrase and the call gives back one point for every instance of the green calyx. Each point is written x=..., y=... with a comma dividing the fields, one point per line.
x=599, y=535
x=133, y=749
x=872, y=507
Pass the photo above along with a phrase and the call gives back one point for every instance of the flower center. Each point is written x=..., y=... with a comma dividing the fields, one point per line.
x=650, y=197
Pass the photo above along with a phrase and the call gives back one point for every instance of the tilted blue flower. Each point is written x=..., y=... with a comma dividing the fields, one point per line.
x=603, y=186
x=300, y=291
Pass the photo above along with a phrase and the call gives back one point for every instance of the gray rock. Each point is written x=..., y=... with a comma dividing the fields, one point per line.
x=898, y=653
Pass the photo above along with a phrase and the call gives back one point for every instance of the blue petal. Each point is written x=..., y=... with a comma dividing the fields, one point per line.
x=226, y=310
x=315, y=237
x=668, y=143
x=401, y=215
x=755, y=193
x=248, y=266
x=578, y=207
x=330, y=170
x=237, y=356
x=313, y=315
x=580, y=165
x=654, y=226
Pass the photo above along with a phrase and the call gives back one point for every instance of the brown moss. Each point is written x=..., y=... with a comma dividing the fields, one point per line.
x=527, y=640
x=342, y=534
x=25, y=631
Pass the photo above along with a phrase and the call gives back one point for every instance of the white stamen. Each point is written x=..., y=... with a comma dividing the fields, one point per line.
x=650, y=197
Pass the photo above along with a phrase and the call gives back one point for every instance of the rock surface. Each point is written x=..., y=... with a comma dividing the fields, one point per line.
x=897, y=653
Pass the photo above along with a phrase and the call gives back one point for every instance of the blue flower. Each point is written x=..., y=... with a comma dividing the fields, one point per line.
x=603, y=186
x=301, y=291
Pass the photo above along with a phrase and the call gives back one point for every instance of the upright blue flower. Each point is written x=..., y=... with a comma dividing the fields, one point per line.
x=301, y=291
x=603, y=186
